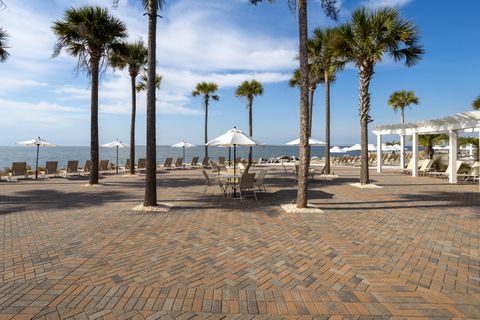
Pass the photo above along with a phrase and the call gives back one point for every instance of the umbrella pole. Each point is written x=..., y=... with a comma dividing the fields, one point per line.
x=116, y=167
x=229, y=155
x=183, y=159
x=36, y=163
x=234, y=158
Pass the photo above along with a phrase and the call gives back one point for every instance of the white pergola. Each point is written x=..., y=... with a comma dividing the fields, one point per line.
x=451, y=125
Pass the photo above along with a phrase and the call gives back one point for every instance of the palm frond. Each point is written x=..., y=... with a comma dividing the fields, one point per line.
x=476, y=103
x=3, y=45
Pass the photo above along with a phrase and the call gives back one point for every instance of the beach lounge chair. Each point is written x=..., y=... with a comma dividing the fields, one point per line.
x=194, y=162
x=426, y=167
x=472, y=174
x=87, y=168
x=168, y=163
x=71, y=169
x=221, y=160
x=103, y=166
x=19, y=169
x=206, y=162
x=142, y=165
x=179, y=163
x=259, y=180
x=444, y=174
x=51, y=167
x=126, y=167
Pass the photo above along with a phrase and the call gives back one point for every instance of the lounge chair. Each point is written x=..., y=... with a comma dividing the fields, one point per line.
x=472, y=174
x=126, y=167
x=221, y=160
x=71, y=169
x=194, y=163
x=87, y=168
x=142, y=165
x=206, y=162
x=426, y=167
x=103, y=167
x=167, y=164
x=19, y=169
x=179, y=163
x=444, y=174
x=51, y=167
x=214, y=167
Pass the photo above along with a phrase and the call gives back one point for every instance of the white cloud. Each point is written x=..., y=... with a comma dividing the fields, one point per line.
x=375, y=4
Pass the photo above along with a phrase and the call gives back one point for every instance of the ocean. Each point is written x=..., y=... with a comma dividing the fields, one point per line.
x=63, y=154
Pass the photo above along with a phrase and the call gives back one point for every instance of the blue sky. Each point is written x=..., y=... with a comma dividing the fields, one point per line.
x=226, y=42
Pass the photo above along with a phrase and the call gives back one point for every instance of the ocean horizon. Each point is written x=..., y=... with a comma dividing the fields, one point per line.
x=62, y=154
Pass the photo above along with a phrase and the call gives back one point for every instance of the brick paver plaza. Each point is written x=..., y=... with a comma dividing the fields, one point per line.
x=409, y=249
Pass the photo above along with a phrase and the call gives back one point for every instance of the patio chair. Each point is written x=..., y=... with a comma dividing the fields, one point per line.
x=167, y=164
x=472, y=173
x=222, y=168
x=103, y=166
x=221, y=160
x=259, y=180
x=246, y=186
x=209, y=182
x=87, y=168
x=19, y=169
x=179, y=163
x=214, y=167
x=71, y=169
x=194, y=163
x=141, y=166
x=51, y=167
x=126, y=167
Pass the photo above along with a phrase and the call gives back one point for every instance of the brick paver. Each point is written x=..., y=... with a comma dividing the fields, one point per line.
x=409, y=249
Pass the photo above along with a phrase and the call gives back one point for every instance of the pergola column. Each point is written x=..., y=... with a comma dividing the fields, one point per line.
x=402, y=151
x=452, y=156
x=415, y=154
x=379, y=153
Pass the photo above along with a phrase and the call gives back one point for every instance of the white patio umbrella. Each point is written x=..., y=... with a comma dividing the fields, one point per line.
x=311, y=141
x=233, y=138
x=336, y=149
x=397, y=147
x=183, y=144
x=37, y=142
x=388, y=148
x=441, y=147
x=115, y=144
x=355, y=147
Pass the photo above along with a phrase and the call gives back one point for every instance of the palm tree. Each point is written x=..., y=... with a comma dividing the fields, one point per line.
x=427, y=141
x=208, y=90
x=324, y=54
x=399, y=100
x=152, y=7
x=132, y=56
x=315, y=77
x=90, y=34
x=3, y=45
x=476, y=103
x=249, y=90
x=304, y=150
x=364, y=41
x=142, y=84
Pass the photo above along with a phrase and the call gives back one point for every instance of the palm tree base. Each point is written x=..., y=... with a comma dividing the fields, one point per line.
x=366, y=186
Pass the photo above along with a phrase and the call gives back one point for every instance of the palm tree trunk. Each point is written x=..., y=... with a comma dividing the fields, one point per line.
x=250, y=129
x=366, y=73
x=327, y=123
x=311, y=92
x=151, y=163
x=402, y=140
x=132, y=125
x=206, y=125
x=304, y=146
x=95, y=66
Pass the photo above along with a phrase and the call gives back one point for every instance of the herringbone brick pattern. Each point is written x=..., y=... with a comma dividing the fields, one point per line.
x=410, y=249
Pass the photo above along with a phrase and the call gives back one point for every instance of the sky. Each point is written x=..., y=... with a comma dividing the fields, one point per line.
x=226, y=41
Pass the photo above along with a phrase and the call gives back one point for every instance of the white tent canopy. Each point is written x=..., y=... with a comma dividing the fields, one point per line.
x=311, y=141
x=451, y=125
x=336, y=149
